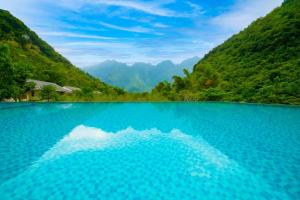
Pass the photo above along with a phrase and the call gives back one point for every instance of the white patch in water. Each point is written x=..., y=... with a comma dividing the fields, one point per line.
x=208, y=152
x=67, y=106
x=203, y=161
x=84, y=138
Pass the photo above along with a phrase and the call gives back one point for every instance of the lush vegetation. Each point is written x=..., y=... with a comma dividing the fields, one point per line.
x=12, y=76
x=25, y=55
x=260, y=64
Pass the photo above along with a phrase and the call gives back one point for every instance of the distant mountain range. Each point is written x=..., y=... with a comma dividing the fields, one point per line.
x=139, y=77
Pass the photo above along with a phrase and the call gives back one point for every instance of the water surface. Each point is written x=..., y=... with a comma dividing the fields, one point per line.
x=149, y=151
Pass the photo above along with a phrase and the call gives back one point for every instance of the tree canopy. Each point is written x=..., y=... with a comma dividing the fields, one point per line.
x=48, y=92
x=12, y=76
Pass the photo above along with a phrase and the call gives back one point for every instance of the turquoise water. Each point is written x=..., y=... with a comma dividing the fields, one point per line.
x=149, y=151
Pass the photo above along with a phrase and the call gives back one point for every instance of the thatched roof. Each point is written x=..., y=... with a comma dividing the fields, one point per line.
x=71, y=88
x=40, y=84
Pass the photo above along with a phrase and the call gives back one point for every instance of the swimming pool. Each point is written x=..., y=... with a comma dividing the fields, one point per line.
x=149, y=151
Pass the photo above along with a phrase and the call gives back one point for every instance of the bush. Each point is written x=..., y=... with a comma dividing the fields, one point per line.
x=48, y=93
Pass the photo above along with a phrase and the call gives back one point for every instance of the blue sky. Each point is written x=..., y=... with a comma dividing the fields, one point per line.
x=91, y=31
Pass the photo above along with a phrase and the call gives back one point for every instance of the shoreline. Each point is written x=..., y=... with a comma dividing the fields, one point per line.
x=140, y=102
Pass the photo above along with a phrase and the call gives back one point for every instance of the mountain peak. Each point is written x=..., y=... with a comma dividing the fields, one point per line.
x=140, y=76
x=165, y=63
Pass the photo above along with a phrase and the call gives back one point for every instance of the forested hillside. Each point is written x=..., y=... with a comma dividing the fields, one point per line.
x=26, y=52
x=260, y=64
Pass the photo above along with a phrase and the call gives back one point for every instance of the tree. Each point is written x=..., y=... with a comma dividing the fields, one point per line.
x=179, y=83
x=20, y=75
x=163, y=88
x=186, y=73
x=213, y=94
x=7, y=84
x=87, y=92
x=48, y=92
x=12, y=76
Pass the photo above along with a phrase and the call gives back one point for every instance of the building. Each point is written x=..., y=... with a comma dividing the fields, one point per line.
x=35, y=93
x=72, y=89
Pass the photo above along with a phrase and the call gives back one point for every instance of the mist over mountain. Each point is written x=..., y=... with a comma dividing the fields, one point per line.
x=139, y=77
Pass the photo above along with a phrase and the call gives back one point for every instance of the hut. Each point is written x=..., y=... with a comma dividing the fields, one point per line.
x=35, y=93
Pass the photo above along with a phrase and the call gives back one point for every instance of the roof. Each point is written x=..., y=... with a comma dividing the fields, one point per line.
x=40, y=84
x=97, y=92
x=72, y=88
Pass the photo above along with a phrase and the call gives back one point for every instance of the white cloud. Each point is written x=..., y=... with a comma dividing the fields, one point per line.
x=74, y=35
x=86, y=53
x=91, y=52
x=244, y=12
x=196, y=8
x=154, y=8
x=136, y=29
x=81, y=43
x=160, y=25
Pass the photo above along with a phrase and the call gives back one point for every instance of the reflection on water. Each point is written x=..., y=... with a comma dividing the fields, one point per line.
x=185, y=166
x=191, y=149
x=84, y=138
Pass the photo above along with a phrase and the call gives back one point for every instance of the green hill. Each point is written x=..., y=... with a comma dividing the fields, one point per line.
x=27, y=51
x=260, y=64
